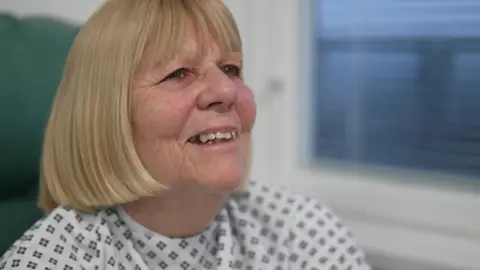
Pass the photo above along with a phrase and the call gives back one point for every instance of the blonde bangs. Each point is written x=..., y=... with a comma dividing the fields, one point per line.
x=211, y=21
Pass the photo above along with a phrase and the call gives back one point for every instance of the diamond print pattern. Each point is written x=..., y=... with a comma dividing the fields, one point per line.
x=269, y=228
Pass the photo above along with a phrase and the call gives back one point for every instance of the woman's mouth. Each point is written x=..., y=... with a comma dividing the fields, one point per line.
x=214, y=137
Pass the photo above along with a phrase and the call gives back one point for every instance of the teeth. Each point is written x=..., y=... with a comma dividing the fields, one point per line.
x=217, y=135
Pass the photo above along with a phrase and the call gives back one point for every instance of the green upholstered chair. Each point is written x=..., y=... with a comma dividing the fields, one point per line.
x=32, y=56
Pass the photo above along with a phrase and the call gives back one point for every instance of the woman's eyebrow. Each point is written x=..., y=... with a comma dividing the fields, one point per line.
x=193, y=58
x=230, y=57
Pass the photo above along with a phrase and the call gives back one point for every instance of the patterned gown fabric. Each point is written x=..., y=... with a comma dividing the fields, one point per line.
x=267, y=228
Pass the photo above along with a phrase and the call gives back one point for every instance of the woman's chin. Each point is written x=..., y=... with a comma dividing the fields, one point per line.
x=220, y=173
x=225, y=182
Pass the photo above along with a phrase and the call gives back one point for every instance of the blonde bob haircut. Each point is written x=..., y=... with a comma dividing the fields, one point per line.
x=89, y=159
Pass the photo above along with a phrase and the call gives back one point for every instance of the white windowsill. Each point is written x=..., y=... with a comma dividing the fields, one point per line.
x=411, y=221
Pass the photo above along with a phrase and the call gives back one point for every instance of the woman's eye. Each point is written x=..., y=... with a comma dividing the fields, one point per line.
x=177, y=74
x=231, y=70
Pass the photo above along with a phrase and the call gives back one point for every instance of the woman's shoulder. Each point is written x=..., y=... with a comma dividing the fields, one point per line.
x=54, y=241
x=312, y=232
x=280, y=202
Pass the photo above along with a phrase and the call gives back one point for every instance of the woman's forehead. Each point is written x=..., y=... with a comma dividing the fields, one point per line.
x=189, y=47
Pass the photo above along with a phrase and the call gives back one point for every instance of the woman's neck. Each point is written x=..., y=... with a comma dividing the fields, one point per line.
x=177, y=213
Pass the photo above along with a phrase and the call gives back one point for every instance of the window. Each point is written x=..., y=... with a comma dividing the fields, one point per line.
x=377, y=117
x=397, y=84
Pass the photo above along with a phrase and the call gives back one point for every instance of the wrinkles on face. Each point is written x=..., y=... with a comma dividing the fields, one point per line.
x=168, y=110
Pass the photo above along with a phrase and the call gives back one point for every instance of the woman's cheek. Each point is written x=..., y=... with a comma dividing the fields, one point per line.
x=164, y=113
x=247, y=108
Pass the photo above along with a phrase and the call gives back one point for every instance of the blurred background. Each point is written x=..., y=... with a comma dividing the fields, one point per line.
x=371, y=106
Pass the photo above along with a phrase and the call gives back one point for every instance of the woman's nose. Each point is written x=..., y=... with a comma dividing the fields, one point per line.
x=219, y=94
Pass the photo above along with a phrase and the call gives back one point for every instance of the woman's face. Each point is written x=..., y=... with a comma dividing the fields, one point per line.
x=192, y=119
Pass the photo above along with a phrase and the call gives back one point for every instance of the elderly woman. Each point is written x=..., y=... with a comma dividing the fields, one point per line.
x=147, y=150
